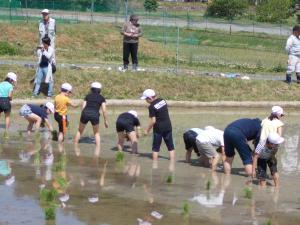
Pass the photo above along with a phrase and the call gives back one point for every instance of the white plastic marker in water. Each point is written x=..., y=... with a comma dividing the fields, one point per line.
x=141, y=222
x=157, y=215
x=93, y=199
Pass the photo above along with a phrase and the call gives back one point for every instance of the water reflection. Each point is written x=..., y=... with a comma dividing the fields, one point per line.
x=289, y=158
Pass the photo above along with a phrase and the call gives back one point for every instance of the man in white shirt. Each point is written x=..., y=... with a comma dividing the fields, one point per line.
x=47, y=27
x=208, y=142
x=293, y=50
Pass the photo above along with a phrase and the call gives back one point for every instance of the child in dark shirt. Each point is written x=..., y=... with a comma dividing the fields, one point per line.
x=128, y=124
x=92, y=104
x=160, y=122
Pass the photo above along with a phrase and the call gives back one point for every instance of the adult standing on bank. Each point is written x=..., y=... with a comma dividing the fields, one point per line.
x=293, y=49
x=131, y=32
x=47, y=27
x=44, y=71
x=236, y=136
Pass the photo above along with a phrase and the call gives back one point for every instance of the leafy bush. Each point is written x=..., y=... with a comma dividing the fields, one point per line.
x=7, y=49
x=274, y=10
x=150, y=5
x=227, y=8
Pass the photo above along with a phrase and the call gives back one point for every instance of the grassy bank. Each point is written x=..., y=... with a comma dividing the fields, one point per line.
x=197, y=49
x=173, y=87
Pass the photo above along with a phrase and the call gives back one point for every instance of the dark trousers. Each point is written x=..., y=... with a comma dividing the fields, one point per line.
x=130, y=49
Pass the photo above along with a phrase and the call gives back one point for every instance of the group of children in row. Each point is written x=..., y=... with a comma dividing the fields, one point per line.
x=207, y=143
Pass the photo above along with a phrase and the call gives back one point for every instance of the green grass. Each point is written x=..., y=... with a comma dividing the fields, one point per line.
x=186, y=209
x=120, y=156
x=188, y=87
x=198, y=49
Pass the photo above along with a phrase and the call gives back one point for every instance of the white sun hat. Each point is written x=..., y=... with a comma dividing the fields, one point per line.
x=12, y=76
x=277, y=110
x=46, y=11
x=148, y=93
x=66, y=86
x=275, y=138
x=133, y=112
x=96, y=85
x=50, y=106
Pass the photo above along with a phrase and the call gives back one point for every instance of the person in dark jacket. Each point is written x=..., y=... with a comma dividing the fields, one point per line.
x=236, y=136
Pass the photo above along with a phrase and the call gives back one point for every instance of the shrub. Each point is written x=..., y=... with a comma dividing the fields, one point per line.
x=274, y=10
x=227, y=8
x=150, y=5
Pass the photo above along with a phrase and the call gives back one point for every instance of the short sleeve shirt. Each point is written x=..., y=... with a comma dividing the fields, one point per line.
x=269, y=126
x=61, y=104
x=94, y=102
x=129, y=119
x=5, y=89
x=213, y=137
x=159, y=109
x=41, y=112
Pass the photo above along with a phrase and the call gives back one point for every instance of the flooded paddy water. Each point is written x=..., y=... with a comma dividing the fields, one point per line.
x=102, y=191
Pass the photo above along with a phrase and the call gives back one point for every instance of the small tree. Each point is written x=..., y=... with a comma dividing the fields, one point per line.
x=150, y=5
x=274, y=10
x=227, y=8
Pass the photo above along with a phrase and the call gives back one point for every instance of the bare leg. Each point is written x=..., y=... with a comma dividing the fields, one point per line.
x=61, y=137
x=121, y=139
x=214, y=162
x=172, y=155
x=154, y=155
x=188, y=155
x=248, y=170
x=97, y=136
x=276, y=179
x=227, y=165
x=134, y=143
x=79, y=132
x=7, y=121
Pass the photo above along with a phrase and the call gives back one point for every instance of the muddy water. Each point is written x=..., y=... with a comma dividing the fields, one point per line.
x=135, y=187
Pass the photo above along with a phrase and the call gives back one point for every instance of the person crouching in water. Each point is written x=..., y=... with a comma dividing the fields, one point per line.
x=160, y=122
x=267, y=156
x=92, y=104
x=37, y=115
x=6, y=91
x=62, y=101
x=128, y=125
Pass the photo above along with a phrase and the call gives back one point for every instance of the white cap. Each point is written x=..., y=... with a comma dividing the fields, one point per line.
x=66, y=86
x=46, y=11
x=12, y=76
x=96, y=85
x=275, y=138
x=50, y=106
x=148, y=93
x=134, y=113
x=209, y=128
x=277, y=110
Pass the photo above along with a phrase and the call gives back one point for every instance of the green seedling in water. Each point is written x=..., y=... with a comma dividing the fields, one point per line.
x=62, y=182
x=186, y=209
x=6, y=135
x=61, y=164
x=54, y=135
x=120, y=156
x=37, y=159
x=248, y=193
x=269, y=222
x=50, y=213
x=20, y=135
x=48, y=195
x=208, y=185
x=170, y=179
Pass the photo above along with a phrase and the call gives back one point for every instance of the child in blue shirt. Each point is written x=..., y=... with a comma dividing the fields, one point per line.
x=6, y=91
